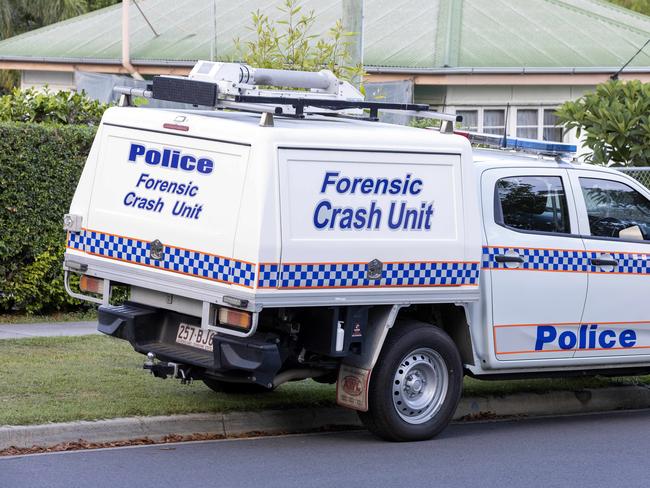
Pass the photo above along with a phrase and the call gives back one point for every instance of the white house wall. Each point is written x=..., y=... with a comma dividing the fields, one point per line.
x=54, y=80
x=513, y=98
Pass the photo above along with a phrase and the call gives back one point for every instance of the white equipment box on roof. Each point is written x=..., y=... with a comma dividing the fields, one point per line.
x=294, y=236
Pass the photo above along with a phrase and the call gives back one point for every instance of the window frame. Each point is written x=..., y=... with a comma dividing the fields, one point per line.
x=498, y=210
x=480, y=109
x=528, y=127
x=512, y=125
x=582, y=208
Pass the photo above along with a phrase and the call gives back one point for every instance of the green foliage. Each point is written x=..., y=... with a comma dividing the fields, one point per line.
x=423, y=123
x=39, y=169
x=641, y=6
x=615, y=120
x=62, y=107
x=288, y=44
x=18, y=16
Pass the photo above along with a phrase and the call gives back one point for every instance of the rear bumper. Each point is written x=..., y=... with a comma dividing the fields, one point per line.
x=255, y=359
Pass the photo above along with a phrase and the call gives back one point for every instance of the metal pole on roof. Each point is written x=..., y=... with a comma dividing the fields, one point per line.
x=213, y=50
x=352, y=20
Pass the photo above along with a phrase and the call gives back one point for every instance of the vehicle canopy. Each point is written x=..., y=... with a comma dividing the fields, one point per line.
x=215, y=203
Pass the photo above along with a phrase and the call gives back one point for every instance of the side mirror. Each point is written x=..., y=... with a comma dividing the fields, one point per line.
x=633, y=233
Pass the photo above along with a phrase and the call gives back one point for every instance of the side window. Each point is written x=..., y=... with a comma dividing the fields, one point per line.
x=532, y=203
x=615, y=209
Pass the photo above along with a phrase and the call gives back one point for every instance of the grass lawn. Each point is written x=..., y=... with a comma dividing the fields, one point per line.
x=59, y=379
x=86, y=315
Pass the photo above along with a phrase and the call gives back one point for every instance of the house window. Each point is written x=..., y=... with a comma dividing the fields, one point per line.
x=527, y=123
x=470, y=119
x=538, y=124
x=551, y=131
x=530, y=123
x=494, y=121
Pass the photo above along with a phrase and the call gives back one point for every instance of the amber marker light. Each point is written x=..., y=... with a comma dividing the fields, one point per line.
x=89, y=284
x=235, y=318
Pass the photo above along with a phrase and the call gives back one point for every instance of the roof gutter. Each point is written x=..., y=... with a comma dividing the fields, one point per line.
x=172, y=63
x=503, y=70
x=126, y=51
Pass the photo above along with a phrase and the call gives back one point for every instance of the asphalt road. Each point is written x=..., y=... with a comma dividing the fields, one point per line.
x=609, y=450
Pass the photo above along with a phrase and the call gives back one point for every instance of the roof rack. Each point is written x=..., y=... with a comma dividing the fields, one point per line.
x=240, y=87
x=533, y=146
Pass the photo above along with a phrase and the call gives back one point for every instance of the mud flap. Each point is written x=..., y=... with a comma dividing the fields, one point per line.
x=352, y=387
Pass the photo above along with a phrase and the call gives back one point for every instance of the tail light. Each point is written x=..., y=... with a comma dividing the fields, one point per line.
x=235, y=318
x=90, y=284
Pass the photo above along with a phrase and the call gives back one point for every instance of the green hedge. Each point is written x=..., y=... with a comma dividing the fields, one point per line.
x=40, y=166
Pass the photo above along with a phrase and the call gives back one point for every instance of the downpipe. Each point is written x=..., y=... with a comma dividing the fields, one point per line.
x=126, y=51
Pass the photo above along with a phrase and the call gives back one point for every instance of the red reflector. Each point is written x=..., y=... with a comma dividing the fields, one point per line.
x=184, y=128
x=91, y=285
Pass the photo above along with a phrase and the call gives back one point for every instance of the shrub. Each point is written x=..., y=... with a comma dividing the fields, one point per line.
x=62, y=107
x=288, y=44
x=616, y=122
x=39, y=168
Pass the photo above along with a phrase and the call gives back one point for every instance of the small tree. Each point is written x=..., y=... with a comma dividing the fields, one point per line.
x=288, y=44
x=616, y=122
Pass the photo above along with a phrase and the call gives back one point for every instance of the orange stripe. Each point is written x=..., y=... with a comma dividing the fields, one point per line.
x=575, y=323
x=567, y=271
x=627, y=253
x=366, y=262
x=574, y=350
x=356, y=286
x=536, y=248
x=538, y=270
x=169, y=245
x=170, y=270
x=559, y=324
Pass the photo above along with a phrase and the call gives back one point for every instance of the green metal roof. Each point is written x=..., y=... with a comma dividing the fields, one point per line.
x=399, y=34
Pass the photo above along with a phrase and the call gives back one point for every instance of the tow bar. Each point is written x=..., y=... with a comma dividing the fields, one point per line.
x=165, y=370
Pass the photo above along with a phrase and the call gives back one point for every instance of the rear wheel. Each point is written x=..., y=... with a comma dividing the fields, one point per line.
x=234, y=388
x=415, y=386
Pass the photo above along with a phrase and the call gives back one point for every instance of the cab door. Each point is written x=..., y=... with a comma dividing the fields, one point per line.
x=534, y=260
x=614, y=214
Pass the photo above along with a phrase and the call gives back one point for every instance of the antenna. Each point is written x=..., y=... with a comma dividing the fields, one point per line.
x=615, y=75
x=505, y=125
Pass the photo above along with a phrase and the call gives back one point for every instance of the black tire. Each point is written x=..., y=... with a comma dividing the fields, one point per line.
x=437, y=363
x=234, y=388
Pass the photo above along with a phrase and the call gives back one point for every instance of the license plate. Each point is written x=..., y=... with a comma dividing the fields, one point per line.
x=189, y=335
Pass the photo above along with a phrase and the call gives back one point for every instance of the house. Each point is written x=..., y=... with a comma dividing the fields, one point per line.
x=497, y=62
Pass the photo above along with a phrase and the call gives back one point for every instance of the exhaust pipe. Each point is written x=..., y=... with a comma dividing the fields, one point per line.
x=297, y=374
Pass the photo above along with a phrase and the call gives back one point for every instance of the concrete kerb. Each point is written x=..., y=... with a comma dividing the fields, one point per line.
x=303, y=420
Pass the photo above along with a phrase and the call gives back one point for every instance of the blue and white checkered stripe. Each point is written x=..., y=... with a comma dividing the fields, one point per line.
x=566, y=260
x=175, y=259
x=538, y=259
x=628, y=263
x=354, y=275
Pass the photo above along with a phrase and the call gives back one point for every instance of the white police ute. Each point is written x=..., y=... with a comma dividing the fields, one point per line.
x=286, y=234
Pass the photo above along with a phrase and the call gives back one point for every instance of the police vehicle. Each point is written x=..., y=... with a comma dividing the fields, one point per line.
x=287, y=234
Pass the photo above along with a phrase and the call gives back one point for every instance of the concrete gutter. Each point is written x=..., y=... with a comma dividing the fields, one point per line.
x=304, y=420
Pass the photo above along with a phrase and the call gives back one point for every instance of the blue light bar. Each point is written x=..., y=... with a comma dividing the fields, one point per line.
x=519, y=143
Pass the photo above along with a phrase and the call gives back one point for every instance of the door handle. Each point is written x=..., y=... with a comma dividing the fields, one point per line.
x=603, y=262
x=502, y=258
